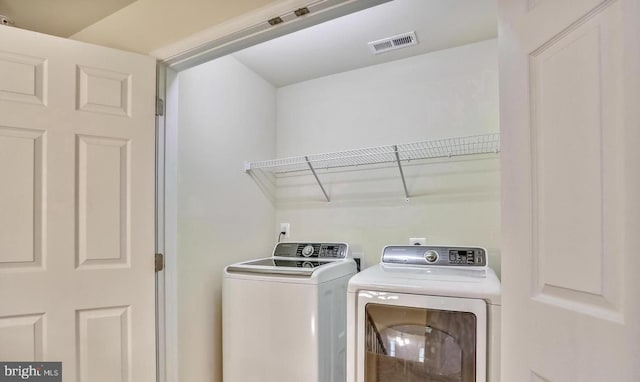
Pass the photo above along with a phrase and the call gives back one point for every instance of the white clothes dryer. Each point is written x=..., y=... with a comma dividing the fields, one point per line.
x=425, y=313
x=284, y=316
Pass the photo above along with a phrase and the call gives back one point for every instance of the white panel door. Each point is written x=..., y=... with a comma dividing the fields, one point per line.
x=569, y=83
x=77, y=207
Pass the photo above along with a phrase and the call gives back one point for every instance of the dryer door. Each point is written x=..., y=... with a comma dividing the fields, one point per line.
x=404, y=338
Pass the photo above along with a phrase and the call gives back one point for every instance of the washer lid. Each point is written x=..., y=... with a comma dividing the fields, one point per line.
x=291, y=266
x=425, y=280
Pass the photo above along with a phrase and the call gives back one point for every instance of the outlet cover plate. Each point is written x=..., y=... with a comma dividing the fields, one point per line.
x=286, y=228
x=417, y=241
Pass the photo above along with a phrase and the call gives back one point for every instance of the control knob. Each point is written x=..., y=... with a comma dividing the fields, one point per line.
x=431, y=256
x=307, y=250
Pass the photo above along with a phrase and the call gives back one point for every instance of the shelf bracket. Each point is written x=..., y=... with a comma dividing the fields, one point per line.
x=404, y=183
x=317, y=179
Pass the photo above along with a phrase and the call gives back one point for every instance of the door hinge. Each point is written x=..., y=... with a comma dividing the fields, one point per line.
x=159, y=262
x=275, y=21
x=159, y=107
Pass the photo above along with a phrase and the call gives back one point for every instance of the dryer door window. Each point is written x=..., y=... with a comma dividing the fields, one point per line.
x=404, y=344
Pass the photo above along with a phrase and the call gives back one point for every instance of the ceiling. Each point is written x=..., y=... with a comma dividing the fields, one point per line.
x=332, y=47
x=59, y=17
x=340, y=45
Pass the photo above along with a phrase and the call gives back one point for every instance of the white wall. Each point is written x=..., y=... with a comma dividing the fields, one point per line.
x=438, y=95
x=226, y=116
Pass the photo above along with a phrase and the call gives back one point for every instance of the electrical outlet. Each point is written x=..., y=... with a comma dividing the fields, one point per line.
x=418, y=241
x=285, y=227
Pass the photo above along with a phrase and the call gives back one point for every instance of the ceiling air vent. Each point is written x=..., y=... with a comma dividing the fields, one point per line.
x=392, y=43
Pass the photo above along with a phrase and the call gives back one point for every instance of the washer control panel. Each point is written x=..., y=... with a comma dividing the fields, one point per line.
x=312, y=250
x=434, y=255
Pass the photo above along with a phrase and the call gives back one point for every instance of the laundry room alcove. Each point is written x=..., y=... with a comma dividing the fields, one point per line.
x=321, y=90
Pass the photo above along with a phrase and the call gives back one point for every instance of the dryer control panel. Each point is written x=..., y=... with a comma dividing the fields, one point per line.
x=434, y=255
x=312, y=250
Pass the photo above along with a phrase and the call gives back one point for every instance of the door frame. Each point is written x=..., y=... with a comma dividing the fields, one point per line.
x=218, y=41
x=166, y=229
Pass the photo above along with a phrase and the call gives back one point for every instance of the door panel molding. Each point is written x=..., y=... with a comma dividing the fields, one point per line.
x=23, y=78
x=26, y=334
x=104, y=91
x=104, y=227
x=104, y=344
x=575, y=160
x=23, y=165
x=535, y=377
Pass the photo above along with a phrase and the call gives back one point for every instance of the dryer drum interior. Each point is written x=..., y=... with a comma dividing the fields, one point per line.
x=406, y=344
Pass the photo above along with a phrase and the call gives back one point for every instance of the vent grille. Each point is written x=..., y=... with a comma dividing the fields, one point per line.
x=393, y=43
x=383, y=45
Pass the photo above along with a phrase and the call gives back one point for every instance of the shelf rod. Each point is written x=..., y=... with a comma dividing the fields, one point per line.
x=404, y=183
x=318, y=179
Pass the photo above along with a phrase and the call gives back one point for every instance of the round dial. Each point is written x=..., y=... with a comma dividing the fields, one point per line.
x=431, y=256
x=307, y=251
x=307, y=264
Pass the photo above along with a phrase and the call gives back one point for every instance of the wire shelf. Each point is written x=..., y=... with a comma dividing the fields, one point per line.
x=443, y=148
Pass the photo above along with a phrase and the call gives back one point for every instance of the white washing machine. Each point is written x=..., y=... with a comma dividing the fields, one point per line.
x=425, y=313
x=284, y=316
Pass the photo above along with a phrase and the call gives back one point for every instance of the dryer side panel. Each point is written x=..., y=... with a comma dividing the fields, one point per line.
x=333, y=329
